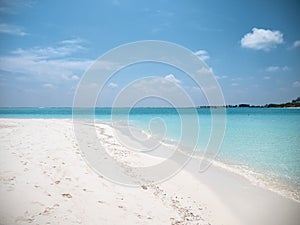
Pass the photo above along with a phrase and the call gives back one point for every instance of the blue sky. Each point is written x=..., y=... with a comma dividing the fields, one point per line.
x=253, y=47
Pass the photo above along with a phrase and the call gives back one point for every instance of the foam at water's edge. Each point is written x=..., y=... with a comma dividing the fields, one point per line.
x=261, y=180
x=265, y=181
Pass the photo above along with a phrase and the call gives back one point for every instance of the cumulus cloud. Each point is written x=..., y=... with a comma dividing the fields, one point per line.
x=296, y=44
x=205, y=71
x=202, y=54
x=153, y=87
x=112, y=85
x=12, y=29
x=262, y=39
x=172, y=78
x=74, y=77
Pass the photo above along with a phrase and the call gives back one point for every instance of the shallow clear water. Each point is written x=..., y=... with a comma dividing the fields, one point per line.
x=261, y=142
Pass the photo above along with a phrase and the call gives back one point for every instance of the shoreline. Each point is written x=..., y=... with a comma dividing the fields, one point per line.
x=261, y=180
x=256, y=178
x=216, y=196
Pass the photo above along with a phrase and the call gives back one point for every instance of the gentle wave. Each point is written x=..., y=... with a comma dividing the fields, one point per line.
x=267, y=181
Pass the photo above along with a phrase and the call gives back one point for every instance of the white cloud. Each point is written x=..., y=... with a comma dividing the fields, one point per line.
x=74, y=77
x=43, y=69
x=49, y=63
x=71, y=77
x=296, y=84
x=172, y=78
x=234, y=84
x=63, y=49
x=12, y=29
x=296, y=44
x=202, y=54
x=272, y=68
x=262, y=39
x=277, y=68
x=153, y=87
x=205, y=71
x=48, y=85
x=73, y=41
x=112, y=85
x=267, y=77
x=221, y=77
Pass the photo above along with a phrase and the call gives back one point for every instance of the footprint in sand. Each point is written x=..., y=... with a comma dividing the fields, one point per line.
x=67, y=195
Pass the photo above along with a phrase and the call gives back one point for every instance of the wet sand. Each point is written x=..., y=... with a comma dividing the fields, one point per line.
x=44, y=179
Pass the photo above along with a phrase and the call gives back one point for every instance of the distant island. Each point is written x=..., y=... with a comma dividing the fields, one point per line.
x=293, y=103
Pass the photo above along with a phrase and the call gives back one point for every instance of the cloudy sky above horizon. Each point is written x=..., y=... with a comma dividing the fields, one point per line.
x=253, y=48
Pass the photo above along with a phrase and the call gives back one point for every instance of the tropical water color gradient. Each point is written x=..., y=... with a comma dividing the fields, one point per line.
x=262, y=144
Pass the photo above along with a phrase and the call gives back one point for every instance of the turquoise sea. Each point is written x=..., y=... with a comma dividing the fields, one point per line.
x=262, y=144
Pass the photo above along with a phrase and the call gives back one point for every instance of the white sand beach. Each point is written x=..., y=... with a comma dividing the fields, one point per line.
x=45, y=180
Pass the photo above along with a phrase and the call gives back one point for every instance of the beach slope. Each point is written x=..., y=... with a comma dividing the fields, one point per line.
x=45, y=180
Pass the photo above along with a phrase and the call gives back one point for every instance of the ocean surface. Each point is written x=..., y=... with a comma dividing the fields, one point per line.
x=261, y=144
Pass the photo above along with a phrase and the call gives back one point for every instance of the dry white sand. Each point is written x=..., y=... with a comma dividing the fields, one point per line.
x=45, y=180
